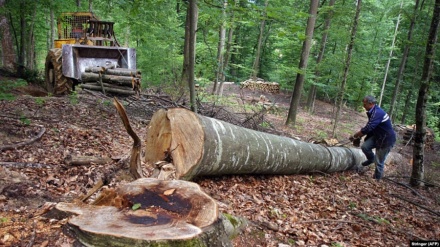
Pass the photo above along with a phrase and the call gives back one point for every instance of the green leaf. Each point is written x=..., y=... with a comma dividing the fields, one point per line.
x=136, y=206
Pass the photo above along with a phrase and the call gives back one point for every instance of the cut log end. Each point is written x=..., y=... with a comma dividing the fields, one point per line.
x=146, y=212
x=175, y=136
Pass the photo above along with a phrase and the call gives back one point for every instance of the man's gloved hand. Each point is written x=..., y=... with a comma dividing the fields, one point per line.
x=357, y=142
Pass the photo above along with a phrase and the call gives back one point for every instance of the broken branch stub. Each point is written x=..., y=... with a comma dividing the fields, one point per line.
x=203, y=146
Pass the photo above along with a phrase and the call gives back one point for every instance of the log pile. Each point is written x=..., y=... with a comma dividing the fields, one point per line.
x=260, y=84
x=112, y=80
x=408, y=132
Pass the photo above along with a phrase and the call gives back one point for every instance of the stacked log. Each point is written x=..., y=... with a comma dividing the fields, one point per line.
x=408, y=132
x=261, y=85
x=112, y=80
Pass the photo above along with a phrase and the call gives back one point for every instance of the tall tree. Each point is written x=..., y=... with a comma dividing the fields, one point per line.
x=403, y=60
x=8, y=52
x=230, y=40
x=391, y=54
x=256, y=66
x=184, y=80
x=193, y=16
x=31, y=58
x=299, y=83
x=420, y=133
x=22, y=44
x=341, y=92
x=312, y=93
x=218, y=84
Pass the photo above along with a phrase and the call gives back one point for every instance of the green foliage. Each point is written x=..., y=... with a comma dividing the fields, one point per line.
x=265, y=124
x=3, y=220
x=156, y=29
x=24, y=120
x=40, y=101
x=232, y=219
x=322, y=134
x=352, y=205
x=336, y=244
x=6, y=86
x=136, y=206
x=73, y=98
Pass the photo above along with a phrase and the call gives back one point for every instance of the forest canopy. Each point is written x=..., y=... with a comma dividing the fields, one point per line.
x=387, y=31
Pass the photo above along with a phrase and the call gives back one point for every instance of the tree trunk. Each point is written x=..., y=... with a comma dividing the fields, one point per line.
x=112, y=79
x=50, y=42
x=341, y=93
x=117, y=71
x=148, y=212
x=387, y=67
x=296, y=95
x=230, y=42
x=420, y=134
x=202, y=146
x=220, y=52
x=193, y=15
x=312, y=92
x=8, y=52
x=31, y=55
x=403, y=61
x=108, y=89
x=22, y=44
x=406, y=107
x=256, y=66
x=185, y=67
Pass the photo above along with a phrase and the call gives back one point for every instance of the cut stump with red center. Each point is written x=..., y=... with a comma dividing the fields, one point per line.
x=148, y=212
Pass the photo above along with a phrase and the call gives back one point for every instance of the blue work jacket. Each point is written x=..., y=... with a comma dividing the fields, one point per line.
x=379, y=125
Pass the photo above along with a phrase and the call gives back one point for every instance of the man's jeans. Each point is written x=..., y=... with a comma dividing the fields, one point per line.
x=379, y=158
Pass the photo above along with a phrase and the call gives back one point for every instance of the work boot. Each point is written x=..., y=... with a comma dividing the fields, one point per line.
x=367, y=163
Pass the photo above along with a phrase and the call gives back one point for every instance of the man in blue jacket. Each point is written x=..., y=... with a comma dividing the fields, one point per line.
x=379, y=135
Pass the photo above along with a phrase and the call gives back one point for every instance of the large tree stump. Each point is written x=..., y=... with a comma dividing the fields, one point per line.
x=148, y=212
x=201, y=146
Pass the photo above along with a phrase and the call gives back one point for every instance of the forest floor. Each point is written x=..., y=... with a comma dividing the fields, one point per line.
x=339, y=209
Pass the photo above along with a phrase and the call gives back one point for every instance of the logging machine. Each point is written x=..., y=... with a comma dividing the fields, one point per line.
x=87, y=53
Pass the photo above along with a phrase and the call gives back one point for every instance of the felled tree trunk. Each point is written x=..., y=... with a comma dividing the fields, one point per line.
x=201, y=146
x=112, y=79
x=148, y=212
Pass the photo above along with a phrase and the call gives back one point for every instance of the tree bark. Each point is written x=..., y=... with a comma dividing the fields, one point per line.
x=202, y=146
x=22, y=44
x=420, y=134
x=118, y=71
x=135, y=156
x=220, y=53
x=8, y=52
x=341, y=92
x=193, y=16
x=403, y=61
x=96, y=87
x=387, y=67
x=313, y=89
x=184, y=77
x=148, y=212
x=112, y=79
x=296, y=95
x=256, y=66
x=230, y=41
